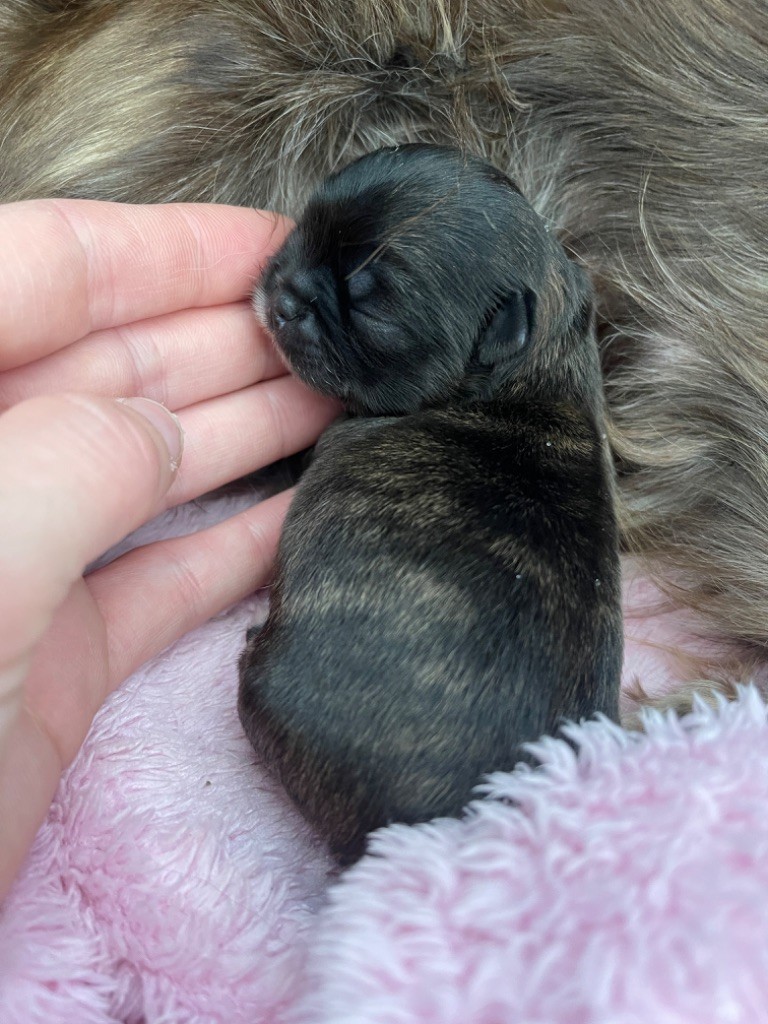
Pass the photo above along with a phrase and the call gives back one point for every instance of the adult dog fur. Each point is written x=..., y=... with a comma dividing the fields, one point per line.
x=448, y=577
x=637, y=128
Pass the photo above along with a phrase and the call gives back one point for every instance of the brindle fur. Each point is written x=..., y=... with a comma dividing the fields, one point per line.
x=638, y=130
x=448, y=577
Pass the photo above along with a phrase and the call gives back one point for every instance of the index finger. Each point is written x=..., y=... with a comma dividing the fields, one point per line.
x=71, y=267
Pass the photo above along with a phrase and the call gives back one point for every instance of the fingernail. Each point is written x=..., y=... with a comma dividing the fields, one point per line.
x=164, y=422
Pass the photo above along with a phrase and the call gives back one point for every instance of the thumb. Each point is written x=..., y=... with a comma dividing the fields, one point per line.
x=77, y=473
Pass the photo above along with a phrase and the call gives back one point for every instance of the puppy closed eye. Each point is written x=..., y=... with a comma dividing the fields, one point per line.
x=361, y=284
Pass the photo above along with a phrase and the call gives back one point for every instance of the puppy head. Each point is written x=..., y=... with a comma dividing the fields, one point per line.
x=414, y=277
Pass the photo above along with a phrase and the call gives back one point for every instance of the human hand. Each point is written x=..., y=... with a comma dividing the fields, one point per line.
x=101, y=301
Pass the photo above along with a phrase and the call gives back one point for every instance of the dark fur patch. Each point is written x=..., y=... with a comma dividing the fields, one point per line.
x=448, y=580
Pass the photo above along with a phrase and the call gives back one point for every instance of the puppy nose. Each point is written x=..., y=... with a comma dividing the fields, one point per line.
x=289, y=306
x=296, y=295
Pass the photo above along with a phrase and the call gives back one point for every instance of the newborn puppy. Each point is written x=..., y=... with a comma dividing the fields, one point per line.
x=448, y=577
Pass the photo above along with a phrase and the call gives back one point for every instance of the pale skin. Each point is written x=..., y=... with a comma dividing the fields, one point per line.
x=101, y=302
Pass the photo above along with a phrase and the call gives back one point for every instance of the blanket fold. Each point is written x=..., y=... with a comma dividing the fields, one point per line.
x=623, y=885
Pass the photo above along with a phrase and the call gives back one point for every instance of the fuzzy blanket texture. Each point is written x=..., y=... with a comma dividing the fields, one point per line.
x=173, y=883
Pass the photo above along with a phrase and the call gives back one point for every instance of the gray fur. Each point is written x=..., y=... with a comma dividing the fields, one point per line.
x=637, y=128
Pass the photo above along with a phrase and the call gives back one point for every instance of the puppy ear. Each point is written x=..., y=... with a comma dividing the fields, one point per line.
x=507, y=332
x=509, y=329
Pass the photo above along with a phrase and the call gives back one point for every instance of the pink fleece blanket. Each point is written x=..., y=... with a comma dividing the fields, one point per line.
x=173, y=883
